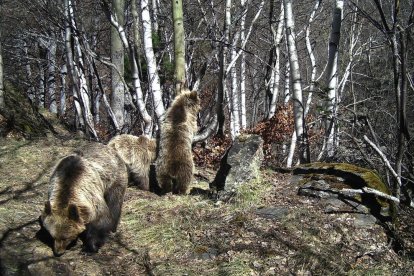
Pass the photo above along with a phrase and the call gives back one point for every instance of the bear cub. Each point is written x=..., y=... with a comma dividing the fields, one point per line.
x=174, y=165
x=137, y=153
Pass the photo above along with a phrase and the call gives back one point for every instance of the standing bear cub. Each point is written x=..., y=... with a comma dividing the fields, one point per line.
x=174, y=165
x=85, y=198
x=137, y=153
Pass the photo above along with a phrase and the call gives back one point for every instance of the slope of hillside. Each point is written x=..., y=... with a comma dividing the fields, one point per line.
x=269, y=230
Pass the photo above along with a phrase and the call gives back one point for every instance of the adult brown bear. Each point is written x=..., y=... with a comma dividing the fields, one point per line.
x=85, y=198
x=174, y=165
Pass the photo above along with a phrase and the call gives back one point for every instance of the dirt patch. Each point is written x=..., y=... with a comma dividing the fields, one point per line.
x=269, y=230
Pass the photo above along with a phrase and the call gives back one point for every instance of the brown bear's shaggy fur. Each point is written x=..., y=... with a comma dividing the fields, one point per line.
x=138, y=153
x=174, y=165
x=85, y=197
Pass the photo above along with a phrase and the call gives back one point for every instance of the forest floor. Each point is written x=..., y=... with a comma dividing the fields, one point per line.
x=268, y=230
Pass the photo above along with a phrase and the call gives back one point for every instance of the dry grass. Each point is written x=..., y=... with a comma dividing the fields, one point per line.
x=192, y=234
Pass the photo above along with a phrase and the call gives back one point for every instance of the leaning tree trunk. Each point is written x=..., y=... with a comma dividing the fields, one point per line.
x=179, y=46
x=117, y=72
x=296, y=84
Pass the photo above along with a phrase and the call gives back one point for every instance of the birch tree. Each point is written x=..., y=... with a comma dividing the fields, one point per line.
x=296, y=81
x=311, y=56
x=221, y=90
x=51, y=73
x=153, y=78
x=332, y=80
x=117, y=58
x=76, y=66
x=243, y=68
x=274, y=80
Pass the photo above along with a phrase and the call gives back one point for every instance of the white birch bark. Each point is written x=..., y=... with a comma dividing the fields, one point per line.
x=286, y=90
x=275, y=74
x=155, y=7
x=296, y=82
x=243, y=69
x=41, y=87
x=153, y=78
x=70, y=61
x=62, y=102
x=332, y=81
x=51, y=71
x=311, y=57
x=235, y=126
x=244, y=42
x=77, y=73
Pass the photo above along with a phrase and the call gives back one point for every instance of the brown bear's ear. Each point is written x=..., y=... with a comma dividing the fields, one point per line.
x=78, y=213
x=193, y=96
x=73, y=212
x=48, y=208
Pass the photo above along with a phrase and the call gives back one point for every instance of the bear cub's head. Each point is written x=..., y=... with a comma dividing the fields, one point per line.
x=63, y=224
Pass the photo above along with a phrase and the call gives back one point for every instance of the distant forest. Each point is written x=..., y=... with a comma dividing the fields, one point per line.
x=328, y=81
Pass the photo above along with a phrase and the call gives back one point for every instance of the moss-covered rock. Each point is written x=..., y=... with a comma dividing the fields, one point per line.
x=20, y=118
x=355, y=178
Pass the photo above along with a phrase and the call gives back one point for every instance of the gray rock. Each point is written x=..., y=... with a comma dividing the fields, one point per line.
x=240, y=164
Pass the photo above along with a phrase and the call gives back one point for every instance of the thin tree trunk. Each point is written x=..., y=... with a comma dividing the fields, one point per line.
x=41, y=85
x=78, y=75
x=117, y=72
x=2, y=102
x=235, y=126
x=153, y=78
x=311, y=57
x=179, y=46
x=51, y=71
x=286, y=90
x=133, y=57
x=332, y=81
x=275, y=74
x=63, y=74
x=221, y=91
x=243, y=69
x=298, y=108
x=70, y=61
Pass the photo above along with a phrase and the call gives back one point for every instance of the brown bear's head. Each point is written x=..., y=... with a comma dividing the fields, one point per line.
x=63, y=224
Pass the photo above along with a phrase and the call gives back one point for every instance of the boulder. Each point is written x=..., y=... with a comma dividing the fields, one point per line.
x=240, y=164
